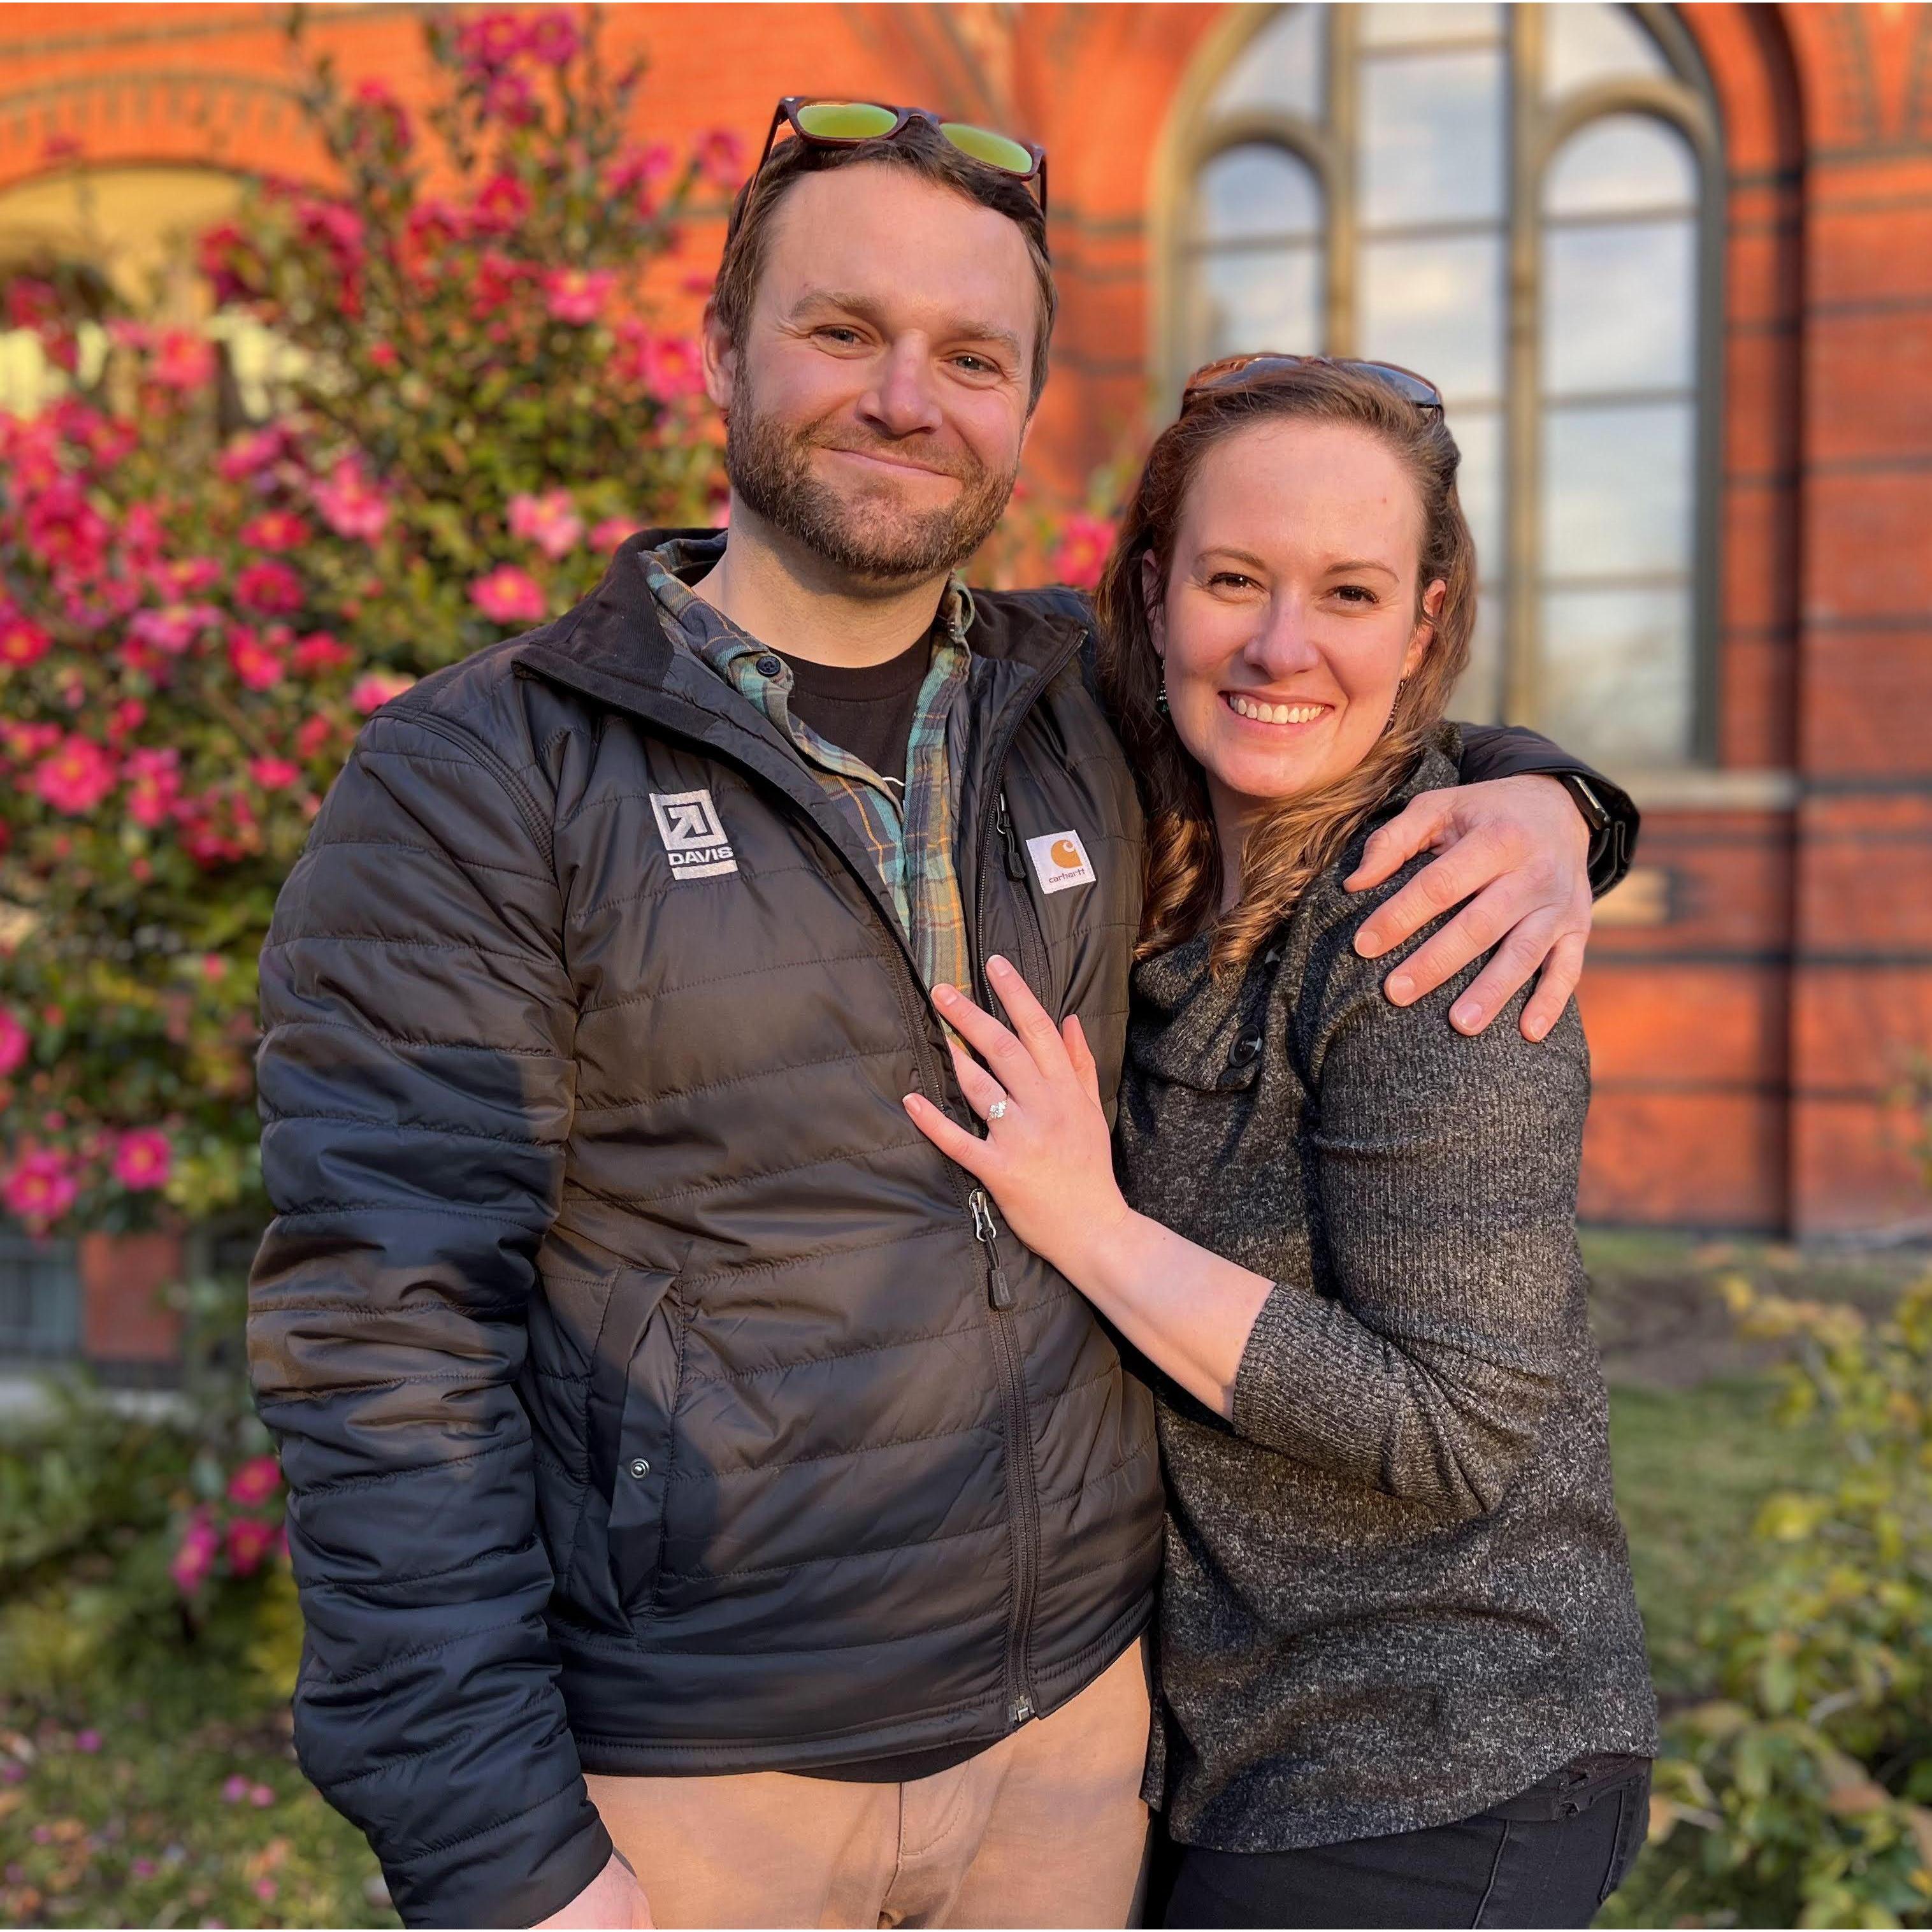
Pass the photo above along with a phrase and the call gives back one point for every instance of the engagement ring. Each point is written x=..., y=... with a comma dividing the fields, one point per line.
x=997, y=1111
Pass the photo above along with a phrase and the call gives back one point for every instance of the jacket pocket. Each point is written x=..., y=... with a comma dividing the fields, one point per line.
x=633, y=1399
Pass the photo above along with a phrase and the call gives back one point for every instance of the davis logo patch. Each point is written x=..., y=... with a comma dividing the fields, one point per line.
x=1060, y=861
x=694, y=837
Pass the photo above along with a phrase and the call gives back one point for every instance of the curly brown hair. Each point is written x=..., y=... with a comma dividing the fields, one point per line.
x=1295, y=841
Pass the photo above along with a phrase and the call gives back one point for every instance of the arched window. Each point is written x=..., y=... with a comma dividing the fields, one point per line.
x=1517, y=201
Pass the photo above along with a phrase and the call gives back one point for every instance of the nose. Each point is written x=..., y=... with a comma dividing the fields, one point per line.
x=1282, y=645
x=903, y=401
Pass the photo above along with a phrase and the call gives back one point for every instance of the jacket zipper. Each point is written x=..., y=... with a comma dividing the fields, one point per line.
x=1024, y=1477
x=1033, y=942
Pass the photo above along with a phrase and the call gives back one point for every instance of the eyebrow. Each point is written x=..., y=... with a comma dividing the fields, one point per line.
x=869, y=310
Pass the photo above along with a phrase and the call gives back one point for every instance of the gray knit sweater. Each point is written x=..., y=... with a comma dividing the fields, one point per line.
x=1396, y=1590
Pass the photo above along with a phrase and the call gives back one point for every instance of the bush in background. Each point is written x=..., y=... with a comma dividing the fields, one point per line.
x=469, y=404
x=1805, y=1796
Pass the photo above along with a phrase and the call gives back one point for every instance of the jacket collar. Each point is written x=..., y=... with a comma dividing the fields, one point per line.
x=615, y=632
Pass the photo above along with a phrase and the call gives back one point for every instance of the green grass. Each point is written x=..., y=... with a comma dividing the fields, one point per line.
x=131, y=1822
x=1693, y=1466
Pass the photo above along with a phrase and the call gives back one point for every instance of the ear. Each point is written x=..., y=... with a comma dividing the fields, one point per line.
x=1424, y=633
x=721, y=361
x=1153, y=600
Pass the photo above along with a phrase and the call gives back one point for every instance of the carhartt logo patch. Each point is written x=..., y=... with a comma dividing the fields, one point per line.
x=694, y=837
x=1060, y=861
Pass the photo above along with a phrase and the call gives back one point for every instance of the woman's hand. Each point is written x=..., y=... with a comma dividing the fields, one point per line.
x=1047, y=1158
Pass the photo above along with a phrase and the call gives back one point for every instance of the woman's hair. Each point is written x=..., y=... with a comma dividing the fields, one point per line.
x=1295, y=841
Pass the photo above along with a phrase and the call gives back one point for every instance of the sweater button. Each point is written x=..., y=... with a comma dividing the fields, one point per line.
x=1246, y=1049
x=1272, y=957
x=769, y=667
x=640, y=1469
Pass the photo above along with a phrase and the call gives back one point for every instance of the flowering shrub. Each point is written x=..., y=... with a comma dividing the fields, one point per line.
x=475, y=404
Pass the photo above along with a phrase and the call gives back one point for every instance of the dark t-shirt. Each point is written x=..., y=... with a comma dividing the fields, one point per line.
x=866, y=709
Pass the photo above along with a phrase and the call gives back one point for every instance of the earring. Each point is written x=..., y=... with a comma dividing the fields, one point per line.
x=1395, y=703
x=1160, y=696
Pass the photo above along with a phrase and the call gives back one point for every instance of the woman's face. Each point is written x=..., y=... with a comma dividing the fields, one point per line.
x=1288, y=618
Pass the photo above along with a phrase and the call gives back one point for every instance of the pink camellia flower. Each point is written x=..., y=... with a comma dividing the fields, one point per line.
x=28, y=741
x=350, y=504
x=373, y=690
x=75, y=778
x=249, y=1540
x=577, y=296
x=87, y=1741
x=271, y=589
x=182, y=361
x=126, y=716
x=192, y=1560
x=318, y=652
x=508, y=595
x=14, y=1041
x=154, y=783
x=235, y=1789
x=501, y=204
x=671, y=367
x=275, y=530
x=255, y=1481
x=382, y=356
x=273, y=774
x=252, y=451
x=550, y=521
x=143, y=1160
x=489, y=42
x=40, y=1188
x=610, y=533
x=258, y=666
x=1082, y=552
x=314, y=733
x=22, y=642
x=720, y=155
x=172, y=627
x=261, y=1796
x=552, y=38
x=511, y=99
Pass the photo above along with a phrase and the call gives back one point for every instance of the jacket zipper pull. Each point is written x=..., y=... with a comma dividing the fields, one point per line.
x=1016, y=861
x=999, y=1290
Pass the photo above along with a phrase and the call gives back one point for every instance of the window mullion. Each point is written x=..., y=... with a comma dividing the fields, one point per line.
x=1344, y=122
x=1521, y=680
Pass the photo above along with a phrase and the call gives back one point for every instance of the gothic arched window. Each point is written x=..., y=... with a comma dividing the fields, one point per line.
x=1518, y=202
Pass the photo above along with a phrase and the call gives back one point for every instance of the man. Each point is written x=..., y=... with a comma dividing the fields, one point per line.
x=680, y=1452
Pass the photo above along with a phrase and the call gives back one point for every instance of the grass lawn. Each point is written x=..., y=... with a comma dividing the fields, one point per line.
x=1693, y=1465
x=130, y=1820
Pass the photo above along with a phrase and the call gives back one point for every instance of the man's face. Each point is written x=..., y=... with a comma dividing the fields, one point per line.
x=876, y=409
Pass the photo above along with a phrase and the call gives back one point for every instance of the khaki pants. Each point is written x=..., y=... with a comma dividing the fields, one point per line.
x=1045, y=1828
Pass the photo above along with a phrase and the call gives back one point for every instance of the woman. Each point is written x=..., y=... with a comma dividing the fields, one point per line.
x=1402, y=1670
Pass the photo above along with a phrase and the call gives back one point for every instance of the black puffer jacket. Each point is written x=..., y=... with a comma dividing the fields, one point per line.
x=647, y=1400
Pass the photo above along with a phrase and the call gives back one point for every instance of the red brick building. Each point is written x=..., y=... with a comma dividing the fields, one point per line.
x=1672, y=265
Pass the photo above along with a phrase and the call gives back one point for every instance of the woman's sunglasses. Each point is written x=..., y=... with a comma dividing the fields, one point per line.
x=1232, y=371
x=844, y=124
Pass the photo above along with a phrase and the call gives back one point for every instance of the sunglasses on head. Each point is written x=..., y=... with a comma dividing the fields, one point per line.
x=845, y=123
x=1232, y=371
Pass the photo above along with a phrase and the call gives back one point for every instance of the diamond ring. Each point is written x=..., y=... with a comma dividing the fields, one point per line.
x=997, y=1111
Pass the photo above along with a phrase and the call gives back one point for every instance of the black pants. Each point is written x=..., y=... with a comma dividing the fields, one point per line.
x=1548, y=1857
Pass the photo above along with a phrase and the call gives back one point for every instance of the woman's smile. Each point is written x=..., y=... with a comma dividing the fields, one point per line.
x=1293, y=714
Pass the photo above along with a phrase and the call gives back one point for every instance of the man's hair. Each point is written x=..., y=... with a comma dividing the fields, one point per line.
x=921, y=149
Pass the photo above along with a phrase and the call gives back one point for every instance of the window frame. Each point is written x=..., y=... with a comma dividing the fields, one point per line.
x=1685, y=100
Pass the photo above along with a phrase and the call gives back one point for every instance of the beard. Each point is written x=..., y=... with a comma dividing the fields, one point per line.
x=869, y=535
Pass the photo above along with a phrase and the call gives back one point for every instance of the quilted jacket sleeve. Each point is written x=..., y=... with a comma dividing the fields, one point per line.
x=415, y=1081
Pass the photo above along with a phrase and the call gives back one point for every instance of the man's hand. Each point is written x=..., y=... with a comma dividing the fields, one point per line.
x=1518, y=851
x=613, y=1898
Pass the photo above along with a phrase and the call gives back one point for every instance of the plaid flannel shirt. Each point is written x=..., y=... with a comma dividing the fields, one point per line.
x=910, y=840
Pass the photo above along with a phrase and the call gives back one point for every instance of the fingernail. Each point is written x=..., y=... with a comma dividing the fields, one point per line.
x=1535, y=1030
x=1468, y=1013
x=1368, y=943
x=1400, y=987
x=996, y=961
x=943, y=995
